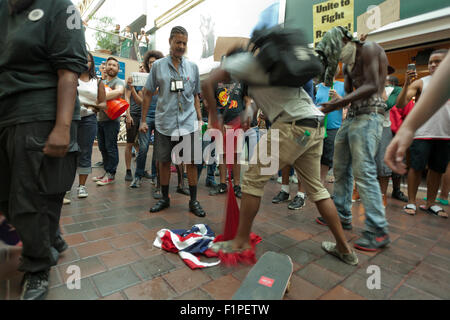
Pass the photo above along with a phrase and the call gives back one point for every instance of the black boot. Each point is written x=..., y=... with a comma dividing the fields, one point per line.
x=196, y=208
x=60, y=244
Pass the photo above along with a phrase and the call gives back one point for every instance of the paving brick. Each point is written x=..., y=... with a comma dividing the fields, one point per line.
x=109, y=282
x=296, y=234
x=157, y=223
x=80, y=227
x=335, y=265
x=185, y=279
x=197, y=294
x=94, y=248
x=119, y=258
x=341, y=293
x=74, y=239
x=301, y=289
x=438, y=262
x=406, y=292
x=222, y=288
x=130, y=227
x=392, y=264
x=146, y=250
x=319, y=276
x=88, y=267
x=152, y=267
x=299, y=256
x=156, y=289
x=86, y=292
x=281, y=241
x=114, y=296
x=68, y=256
x=431, y=280
x=99, y=234
x=126, y=240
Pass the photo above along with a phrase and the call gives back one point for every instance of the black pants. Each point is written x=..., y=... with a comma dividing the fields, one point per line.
x=32, y=188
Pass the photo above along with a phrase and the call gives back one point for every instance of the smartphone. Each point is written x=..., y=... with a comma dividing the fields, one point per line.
x=411, y=66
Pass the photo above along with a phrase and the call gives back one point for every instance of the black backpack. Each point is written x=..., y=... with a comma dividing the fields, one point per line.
x=285, y=55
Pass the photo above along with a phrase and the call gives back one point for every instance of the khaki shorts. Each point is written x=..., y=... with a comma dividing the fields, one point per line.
x=305, y=159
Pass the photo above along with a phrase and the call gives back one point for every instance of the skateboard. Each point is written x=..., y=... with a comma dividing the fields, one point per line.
x=269, y=279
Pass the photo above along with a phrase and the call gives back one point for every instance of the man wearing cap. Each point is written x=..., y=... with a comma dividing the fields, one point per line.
x=357, y=142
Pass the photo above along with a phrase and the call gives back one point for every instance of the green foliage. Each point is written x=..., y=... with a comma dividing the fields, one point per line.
x=105, y=40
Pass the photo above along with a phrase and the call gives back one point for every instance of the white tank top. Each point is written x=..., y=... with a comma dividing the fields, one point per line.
x=87, y=93
x=438, y=126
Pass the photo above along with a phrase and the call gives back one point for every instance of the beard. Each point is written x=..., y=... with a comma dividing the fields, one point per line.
x=17, y=6
x=348, y=54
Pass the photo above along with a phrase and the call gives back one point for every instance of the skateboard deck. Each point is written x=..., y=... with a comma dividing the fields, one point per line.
x=268, y=279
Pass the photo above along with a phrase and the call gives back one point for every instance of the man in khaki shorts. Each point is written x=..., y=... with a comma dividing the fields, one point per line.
x=298, y=133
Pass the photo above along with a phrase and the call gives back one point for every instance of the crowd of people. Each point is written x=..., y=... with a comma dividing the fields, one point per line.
x=57, y=108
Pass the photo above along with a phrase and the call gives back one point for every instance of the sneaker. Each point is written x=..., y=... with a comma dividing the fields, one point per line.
x=160, y=205
x=237, y=191
x=372, y=242
x=280, y=180
x=82, y=192
x=281, y=197
x=210, y=183
x=219, y=189
x=98, y=164
x=399, y=195
x=128, y=176
x=67, y=201
x=345, y=225
x=297, y=203
x=136, y=183
x=35, y=285
x=107, y=179
x=95, y=179
x=196, y=209
x=349, y=258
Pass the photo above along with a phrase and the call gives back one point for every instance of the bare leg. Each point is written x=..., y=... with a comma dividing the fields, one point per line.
x=414, y=178
x=323, y=173
x=180, y=175
x=433, y=181
x=192, y=174
x=328, y=211
x=285, y=175
x=128, y=155
x=82, y=179
x=445, y=188
x=249, y=208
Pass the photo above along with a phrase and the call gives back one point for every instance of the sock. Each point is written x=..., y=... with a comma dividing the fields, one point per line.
x=165, y=191
x=285, y=188
x=301, y=194
x=193, y=192
x=128, y=171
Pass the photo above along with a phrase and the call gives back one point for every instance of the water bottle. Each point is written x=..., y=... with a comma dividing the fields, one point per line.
x=303, y=140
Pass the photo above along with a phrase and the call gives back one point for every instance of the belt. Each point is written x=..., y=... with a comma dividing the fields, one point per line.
x=354, y=113
x=311, y=123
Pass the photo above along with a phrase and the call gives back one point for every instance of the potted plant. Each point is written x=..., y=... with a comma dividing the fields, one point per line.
x=106, y=42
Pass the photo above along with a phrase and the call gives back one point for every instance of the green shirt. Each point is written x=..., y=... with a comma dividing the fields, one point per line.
x=391, y=101
x=32, y=53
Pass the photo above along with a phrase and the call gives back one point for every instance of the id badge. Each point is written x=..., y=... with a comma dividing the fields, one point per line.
x=176, y=85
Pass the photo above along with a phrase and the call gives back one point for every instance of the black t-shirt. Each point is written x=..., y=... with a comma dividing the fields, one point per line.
x=230, y=99
x=35, y=44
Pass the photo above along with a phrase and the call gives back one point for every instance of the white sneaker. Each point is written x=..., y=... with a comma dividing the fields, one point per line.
x=107, y=179
x=280, y=180
x=67, y=201
x=82, y=192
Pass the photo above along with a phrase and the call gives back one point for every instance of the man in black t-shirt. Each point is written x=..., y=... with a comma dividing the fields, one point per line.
x=44, y=52
x=230, y=103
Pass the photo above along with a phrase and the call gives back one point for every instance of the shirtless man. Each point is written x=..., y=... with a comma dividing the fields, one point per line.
x=356, y=143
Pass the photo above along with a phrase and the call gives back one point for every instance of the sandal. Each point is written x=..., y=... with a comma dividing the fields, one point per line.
x=435, y=210
x=412, y=209
x=439, y=200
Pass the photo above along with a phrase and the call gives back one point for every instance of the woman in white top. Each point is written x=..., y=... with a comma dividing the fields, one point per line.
x=91, y=92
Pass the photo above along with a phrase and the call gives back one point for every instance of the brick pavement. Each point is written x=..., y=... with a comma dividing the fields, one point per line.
x=111, y=234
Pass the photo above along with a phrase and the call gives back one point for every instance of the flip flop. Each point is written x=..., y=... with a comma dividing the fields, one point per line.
x=442, y=201
x=410, y=206
x=434, y=210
